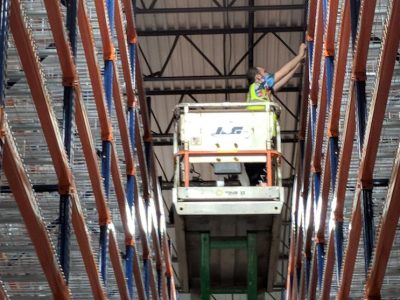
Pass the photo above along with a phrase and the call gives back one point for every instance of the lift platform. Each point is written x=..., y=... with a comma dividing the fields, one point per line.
x=227, y=232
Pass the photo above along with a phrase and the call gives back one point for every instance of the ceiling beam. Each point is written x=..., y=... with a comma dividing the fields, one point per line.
x=211, y=31
x=214, y=9
x=243, y=90
x=150, y=78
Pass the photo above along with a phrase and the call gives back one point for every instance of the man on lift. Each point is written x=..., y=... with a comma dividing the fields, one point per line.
x=261, y=87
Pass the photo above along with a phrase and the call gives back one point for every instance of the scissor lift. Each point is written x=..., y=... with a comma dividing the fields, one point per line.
x=227, y=232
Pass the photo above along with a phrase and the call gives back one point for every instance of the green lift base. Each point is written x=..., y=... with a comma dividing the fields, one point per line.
x=248, y=243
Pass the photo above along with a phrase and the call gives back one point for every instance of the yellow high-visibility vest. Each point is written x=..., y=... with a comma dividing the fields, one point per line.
x=252, y=97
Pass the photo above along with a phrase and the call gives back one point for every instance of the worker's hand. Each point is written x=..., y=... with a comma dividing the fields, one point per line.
x=302, y=50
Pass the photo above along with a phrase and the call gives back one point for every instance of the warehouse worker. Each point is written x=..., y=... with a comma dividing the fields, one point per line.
x=261, y=87
x=262, y=84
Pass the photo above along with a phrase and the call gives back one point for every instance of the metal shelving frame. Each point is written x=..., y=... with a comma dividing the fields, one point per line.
x=341, y=189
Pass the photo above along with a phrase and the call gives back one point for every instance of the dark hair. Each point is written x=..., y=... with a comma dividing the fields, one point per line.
x=251, y=75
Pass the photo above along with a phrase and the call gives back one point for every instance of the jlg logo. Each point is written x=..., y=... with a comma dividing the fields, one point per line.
x=234, y=130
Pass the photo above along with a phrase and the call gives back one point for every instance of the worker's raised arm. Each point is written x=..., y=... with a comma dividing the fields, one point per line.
x=279, y=84
x=288, y=68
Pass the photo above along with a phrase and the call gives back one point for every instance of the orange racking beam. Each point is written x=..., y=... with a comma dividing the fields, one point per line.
x=329, y=48
x=339, y=72
x=123, y=52
x=300, y=213
x=329, y=264
x=88, y=148
x=156, y=192
x=312, y=9
x=139, y=210
x=121, y=198
x=319, y=130
x=87, y=37
x=306, y=161
x=345, y=158
x=304, y=104
x=81, y=232
x=351, y=250
x=164, y=289
x=122, y=124
x=141, y=157
x=379, y=100
x=119, y=273
x=108, y=47
x=316, y=59
x=142, y=102
x=290, y=273
x=153, y=287
x=169, y=272
x=302, y=285
x=303, y=199
x=299, y=249
x=138, y=276
x=298, y=204
x=36, y=227
x=309, y=224
x=366, y=18
x=323, y=203
x=130, y=20
x=293, y=294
